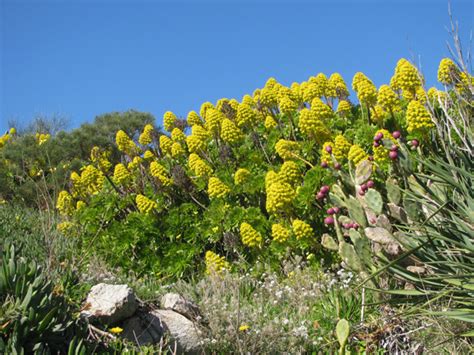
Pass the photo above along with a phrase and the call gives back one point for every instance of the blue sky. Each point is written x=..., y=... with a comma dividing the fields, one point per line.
x=79, y=59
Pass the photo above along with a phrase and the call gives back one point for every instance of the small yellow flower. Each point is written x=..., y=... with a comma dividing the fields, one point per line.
x=116, y=330
x=244, y=327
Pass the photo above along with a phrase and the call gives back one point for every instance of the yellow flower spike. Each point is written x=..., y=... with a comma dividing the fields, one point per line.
x=286, y=149
x=42, y=138
x=448, y=71
x=337, y=83
x=121, y=175
x=377, y=114
x=177, y=135
x=101, y=159
x=215, y=264
x=165, y=144
x=116, y=330
x=216, y=188
x=311, y=125
x=147, y=135
x=435, y=96
x=124, y=143
x=296, y=92
x=195, y=144
x=418, y=118
x=344, y=108
x=148, y=155
x=365, y=89
x=387, y=99
x=199, y=166
x=159, y=172
x=65, y=227
x=80, y=204
x=280, y=195
x=145, y=205
x=270, y=122
x=250, y=236
x=245, y=115
x=177, y=150
x=169, y=120
x=92, y=179
x=320, y=82
x=287, y=106
x=230, y=133
x=65, y=203
x=322, y=111
x=301, y=229
x=325, y=156
x=406, y=78
x=270, y=178
x=214, y=119
x=280, y=233
x=289, y=173
x=421, y=95
x=193, y=118
x=247, y=100
x=12, y=131
x=341, y=147
x=357, y=154
x=241, y=176
x=221, y=103
x=234, y=104
x=203, y=110
x=310, y=91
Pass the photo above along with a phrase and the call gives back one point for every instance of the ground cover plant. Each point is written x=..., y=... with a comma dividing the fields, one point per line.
x=296, y=217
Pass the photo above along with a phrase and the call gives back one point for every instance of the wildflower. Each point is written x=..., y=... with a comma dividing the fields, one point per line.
x=193, y=118
x=320, y=83
x=195, y=144
x=301, y=229
x=146, y=136
x=357, y=154
x=230, y=133
x=64, y=203
x=418, y=118
x=377, y=114
x=337, y=87
x=247, y=100
x=42, y=138
x=279, y=196
x=214, y=119
x=322, y=111
x=270, y=122
x=215, y=263
x=286, y=149
x=406, y=78
x=216, y=188
x=92, y=179
x=279, y=233
x=289, y=173
x=245, y=115
x=169, y=120
x=244, y=327
x=199, y=166
x=387, y=99
x=249, y=235
x=177, y=135
x=116, y=330
x=241, y=176
x=204, y=107
x=341, y=147
x=448, y=72
x=124, y=143
x=343, y=108
x=287, y=105
x=65, y=227
x=165, y=144
x=145, y=205
x=177, y=150
x=365, y=89
x=311, y=124
x=121, y=174
x=158, y=171
x=148, y=155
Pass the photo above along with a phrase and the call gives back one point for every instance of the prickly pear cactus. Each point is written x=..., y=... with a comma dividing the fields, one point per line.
x=374, y=201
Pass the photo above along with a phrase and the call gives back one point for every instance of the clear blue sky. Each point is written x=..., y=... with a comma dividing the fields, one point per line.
x=84, y=58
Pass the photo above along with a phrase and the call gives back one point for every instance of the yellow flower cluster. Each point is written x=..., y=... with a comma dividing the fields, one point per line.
x=280, y=234
x=169, y=120
x=144, y=204
x=337, y=87
x=214, y=119
x=365, y=89
x=249, y=235
x=147, y=135
x=158, y=171
x=193, y=118
x=197, y=140
x=434, y=95
x=279, y=196
x=321, y=110
x=92, y=178
x=377, y=114
x=42, y=138
x=344, y=108
x=230, y=133
x=269, y=94
x=270, y=122
x=204, y=107
x=101, y=159
x=4, y=138
x=245, y=115
x=271, y=177
x=215, y=263
x=387, y=98
x=289, y=173
x=287, y=105
x=80, y=204
x=148, y=155
x=357, y=154
x=165, y=144
x=406, y=78
x=177, y=150
x=418, y=118
x=135, y=164
x=312, y=126
x=286, y=149
x=216, y=188
x=325, y=156
x=124, y=143
x=177, y=135
x=341, y=147
x=301, y=229
x=121, y=175
x=65, y=203
x=65, y=227
x=199, y=166
x=448, y=72
x=241, y=176
x=247, y=100
x=320, y=83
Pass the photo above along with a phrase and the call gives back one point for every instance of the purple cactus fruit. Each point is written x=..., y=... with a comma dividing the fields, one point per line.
x=330, y=211
x=337, y=166
x=396, y=134
x=361, y=192
x=346, y=225
x=370, y=184
x=364, y=187
x=355, y=225
x=324, y=189
x=393, y=155
x=371, y=158
x=378, y=136
x=328, y=149
x=328, y=220
x=394, y=148
x=376, y=144
x=324, y=164
x=336, y=209
x=415, y=143
x=320, y=196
